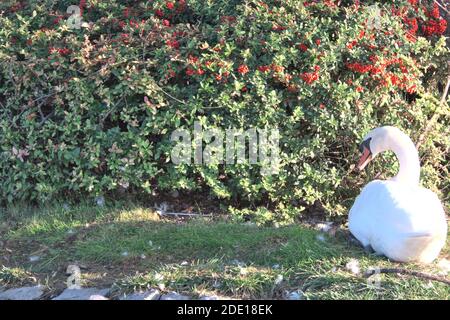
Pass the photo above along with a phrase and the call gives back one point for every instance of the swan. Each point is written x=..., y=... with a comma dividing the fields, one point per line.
x=397, y=217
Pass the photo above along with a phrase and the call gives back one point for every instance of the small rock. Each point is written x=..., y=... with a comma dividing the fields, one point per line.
x=295, y=295
x=174, y=296
x=162, y=208
x=74, y=280
x=124, y=254
x=324, y=226
x=279, y=279
x=100, y=201
x=143, y=256
x=25, y=293
x=250, y=223
x=152, y=294
x=320, y=237
x=34, y=258
x=238, y=263
x=184, y=263
x=208, y=298
x=73, y=268
x=353, y=266
x=97, y=297
x=81, y=294
x=174, y=194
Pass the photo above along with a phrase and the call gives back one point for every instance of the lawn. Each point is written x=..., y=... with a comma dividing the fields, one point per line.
x=131, y=247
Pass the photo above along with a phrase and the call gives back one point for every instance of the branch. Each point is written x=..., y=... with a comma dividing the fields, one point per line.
x=441, y=6
x=435, y=115
x=169, y=95
x=183, y=214
x=417, y=274
x=102, y=119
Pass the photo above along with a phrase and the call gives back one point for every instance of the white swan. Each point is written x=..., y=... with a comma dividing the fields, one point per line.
x=397, y=217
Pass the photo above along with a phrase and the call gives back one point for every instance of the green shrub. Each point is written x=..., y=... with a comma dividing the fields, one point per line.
x=90, y=111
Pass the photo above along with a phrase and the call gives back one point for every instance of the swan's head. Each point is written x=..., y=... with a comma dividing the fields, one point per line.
x=376, y=141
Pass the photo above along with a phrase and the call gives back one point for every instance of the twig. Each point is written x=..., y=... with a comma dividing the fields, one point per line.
x=183, y=214
x=409, y=273
x=45, y=118
x=44, y=97
x=169, y=95
x=441, y=6
x=102, y=119
x=435, y=115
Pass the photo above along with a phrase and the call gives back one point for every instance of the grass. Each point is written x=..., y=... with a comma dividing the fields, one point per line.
x=131, y=248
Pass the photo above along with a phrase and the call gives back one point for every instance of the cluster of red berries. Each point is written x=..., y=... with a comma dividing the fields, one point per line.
x=378, y=71
x=170, y=7
x=60, y=51
x=359, y=67
x=433, y=25
x=173, y=43
x=193, y=60
x=243, y=69
x=310, y=77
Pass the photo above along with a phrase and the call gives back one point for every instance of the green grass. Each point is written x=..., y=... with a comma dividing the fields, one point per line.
x=132, y=248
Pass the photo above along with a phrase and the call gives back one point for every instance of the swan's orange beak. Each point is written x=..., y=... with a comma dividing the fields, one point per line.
x=365, y=158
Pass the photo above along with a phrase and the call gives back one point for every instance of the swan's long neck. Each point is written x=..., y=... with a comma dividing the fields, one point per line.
x=408, y=158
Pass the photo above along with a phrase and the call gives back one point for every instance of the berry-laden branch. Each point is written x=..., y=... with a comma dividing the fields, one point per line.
x=417, y=274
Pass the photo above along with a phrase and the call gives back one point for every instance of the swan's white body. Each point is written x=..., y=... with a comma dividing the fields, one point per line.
x=398, y=218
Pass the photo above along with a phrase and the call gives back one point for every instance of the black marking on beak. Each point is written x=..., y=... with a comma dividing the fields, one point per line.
x=365, y=144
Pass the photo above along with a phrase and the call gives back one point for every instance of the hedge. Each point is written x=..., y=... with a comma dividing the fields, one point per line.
x=90, y=111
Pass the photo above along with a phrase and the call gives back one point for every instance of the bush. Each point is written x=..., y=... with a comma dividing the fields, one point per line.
x=90, y=111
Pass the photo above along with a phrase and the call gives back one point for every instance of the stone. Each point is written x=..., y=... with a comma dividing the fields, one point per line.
x=97, y=297
x=34, y=258
x=174, y=296
x=208, y=298
x=320, y=237
x=324, y=226
x=295, y=295
x=100, y=201
x=82, y=294
x=279, y=279
x=24, y=293
x=152, y=294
